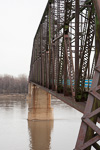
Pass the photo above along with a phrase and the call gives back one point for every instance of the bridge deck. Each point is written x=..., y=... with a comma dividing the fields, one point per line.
x=80, y=106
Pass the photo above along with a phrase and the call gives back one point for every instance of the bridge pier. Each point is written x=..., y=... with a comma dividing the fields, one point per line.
x=29, y=91
x=39, y=104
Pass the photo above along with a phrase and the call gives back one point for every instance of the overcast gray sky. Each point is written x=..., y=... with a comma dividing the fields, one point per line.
x=19, y=20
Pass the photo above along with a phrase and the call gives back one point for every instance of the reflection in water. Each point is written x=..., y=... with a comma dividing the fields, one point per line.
x=40, y=114
x=16, y=133
x=40, y=122
x=40, y=133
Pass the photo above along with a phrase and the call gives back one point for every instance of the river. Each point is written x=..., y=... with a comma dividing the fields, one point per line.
x=17, y=133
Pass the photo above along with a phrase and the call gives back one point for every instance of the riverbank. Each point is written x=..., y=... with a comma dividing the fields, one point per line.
x=13, y=96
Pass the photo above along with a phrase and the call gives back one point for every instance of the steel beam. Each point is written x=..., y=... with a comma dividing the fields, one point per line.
x=87, y=129
x=60, y=63
x=97, y=7
x=76, y=45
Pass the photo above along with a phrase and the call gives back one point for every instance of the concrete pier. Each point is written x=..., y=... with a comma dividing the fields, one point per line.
x=39, y=104
x=29, y=96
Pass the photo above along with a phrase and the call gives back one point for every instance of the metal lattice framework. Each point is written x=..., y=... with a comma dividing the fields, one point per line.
x=66, y=61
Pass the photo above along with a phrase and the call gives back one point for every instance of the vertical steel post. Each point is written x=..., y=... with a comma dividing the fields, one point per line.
x=53, y=47
x=65, y=74
x=97, y=38
x=76, y=45
x=41, y=36
x=53, y=50
x=97, y=7
x=49, y=43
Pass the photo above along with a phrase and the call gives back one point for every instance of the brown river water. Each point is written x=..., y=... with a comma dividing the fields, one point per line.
x=17, y=133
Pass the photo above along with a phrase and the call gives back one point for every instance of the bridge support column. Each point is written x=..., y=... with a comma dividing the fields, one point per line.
x=29, y=89
x=40, y=105
x=29, y=96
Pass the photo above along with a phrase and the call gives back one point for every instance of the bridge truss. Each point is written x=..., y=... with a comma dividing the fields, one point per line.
x=66, y=61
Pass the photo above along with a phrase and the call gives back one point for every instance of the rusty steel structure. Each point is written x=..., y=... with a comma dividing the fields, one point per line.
x=66, y=61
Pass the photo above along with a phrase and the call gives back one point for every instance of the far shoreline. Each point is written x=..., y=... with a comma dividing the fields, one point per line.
x=13, y=96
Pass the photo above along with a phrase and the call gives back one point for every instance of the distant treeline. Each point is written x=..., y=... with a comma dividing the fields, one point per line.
x=10, y=84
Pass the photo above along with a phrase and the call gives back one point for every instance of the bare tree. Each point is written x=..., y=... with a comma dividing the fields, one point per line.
x=10, y=84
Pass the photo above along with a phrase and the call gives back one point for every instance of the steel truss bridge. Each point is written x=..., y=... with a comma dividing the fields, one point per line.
x=66, y=55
